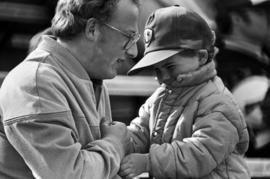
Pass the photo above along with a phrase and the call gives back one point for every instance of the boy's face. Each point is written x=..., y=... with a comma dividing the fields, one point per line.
x=168, y=70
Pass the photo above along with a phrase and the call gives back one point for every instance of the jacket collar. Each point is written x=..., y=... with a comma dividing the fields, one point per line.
x=63, y=56
x=194, y=78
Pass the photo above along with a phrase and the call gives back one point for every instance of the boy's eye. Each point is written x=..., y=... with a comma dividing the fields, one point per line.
x=169, y=66
x=188, y=53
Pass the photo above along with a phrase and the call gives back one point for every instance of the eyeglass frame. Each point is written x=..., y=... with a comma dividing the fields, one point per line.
x=132, y=38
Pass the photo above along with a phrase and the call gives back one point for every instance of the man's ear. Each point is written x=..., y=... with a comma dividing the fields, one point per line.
x=203, y=56
x=91, y=28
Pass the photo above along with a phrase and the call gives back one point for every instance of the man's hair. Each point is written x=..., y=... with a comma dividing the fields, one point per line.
x=223, y=16
x=71, y=15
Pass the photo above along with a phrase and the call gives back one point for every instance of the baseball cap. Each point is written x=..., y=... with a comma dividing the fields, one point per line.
x=251, y=90
x=171, y=30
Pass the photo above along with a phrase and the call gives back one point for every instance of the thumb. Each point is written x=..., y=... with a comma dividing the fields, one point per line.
x=104, y=121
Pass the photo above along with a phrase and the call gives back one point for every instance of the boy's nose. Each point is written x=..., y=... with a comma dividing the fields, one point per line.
x=165, y=75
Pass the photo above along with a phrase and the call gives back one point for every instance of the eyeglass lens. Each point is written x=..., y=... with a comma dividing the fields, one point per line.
x=132, y=40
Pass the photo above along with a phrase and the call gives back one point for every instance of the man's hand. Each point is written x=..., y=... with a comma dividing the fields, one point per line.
x=133, y=165
x=117, y=131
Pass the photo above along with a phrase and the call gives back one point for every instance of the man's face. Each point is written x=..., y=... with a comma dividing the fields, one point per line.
x=168, y=70
x=254, y=116
x=111, y=48
x=256, y=29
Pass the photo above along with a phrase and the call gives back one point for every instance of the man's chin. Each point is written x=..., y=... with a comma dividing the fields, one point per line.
x=111, y=75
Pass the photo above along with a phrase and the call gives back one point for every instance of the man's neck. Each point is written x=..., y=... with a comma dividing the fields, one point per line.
x=77, y=48
x=97, y=85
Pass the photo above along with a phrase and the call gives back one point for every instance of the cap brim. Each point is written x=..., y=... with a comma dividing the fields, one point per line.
x=153, y=58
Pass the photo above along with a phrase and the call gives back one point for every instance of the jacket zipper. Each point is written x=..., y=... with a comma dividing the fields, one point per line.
x=167, y=93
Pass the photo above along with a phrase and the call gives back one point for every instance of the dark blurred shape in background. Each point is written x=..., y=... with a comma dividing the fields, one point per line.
x=19, y=21
x=24, y=21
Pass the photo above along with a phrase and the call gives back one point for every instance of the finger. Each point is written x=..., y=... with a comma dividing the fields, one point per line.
x=119, y=123
x=130, y=176
x=125, y=172
x=125, y=166
x=126, y=159
x=112, y=123
x=125, y=163
x=104, y=121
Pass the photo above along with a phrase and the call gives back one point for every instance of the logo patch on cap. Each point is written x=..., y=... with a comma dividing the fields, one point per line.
x=148, y=34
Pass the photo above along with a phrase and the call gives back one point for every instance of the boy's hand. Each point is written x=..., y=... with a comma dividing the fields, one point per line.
x=112, y=129
x=117, y=131
x=133, y=165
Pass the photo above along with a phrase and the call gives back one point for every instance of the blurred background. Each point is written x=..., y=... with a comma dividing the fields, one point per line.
x=22, y=22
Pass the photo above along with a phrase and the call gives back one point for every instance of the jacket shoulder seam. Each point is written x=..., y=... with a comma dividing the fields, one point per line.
x=29, y=117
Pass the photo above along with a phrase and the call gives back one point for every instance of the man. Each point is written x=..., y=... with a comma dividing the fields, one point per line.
x=243, y=26
x=52, y=103
x=252, y=95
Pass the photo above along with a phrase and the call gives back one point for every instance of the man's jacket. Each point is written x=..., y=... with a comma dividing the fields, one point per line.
x=50, y=120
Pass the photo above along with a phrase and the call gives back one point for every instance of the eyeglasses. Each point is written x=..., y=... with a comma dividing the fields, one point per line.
x=132, y=38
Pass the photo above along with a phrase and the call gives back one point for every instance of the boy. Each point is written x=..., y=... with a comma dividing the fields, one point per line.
x=191, y=126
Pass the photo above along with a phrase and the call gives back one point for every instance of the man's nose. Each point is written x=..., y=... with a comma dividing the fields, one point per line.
x=132, y=52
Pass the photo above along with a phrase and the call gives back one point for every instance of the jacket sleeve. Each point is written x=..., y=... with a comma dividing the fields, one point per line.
x=139, y=129
x=213, y=138
x=50, y=151
x=42, y=130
